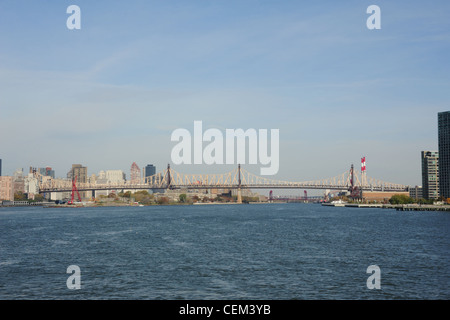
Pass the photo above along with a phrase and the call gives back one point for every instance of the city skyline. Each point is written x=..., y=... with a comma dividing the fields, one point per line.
x=112, y=92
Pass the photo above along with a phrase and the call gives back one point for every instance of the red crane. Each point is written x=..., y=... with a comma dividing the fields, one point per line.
x=74, y=189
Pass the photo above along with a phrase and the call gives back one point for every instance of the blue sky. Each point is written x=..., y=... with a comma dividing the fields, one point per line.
x=113, y=92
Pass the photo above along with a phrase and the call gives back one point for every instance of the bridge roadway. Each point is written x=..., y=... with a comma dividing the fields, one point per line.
x=81, y=188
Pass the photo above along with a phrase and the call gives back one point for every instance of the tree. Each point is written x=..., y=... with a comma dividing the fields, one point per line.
x=125, y=195
x=163, y=200
x=142, y=192
x=143, y=197
x=20, y=196
x=112, y=195
x=401, y=199
x=424, y=201
x=183, y=198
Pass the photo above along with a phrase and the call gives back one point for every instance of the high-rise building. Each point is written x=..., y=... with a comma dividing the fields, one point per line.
x=6, y=188
x=149, y=170
x=18, y=181
x=47, y=171
x=416, y=192
x=115, y=176
x=78, y=171
x=135, y=173
x=101, y=179
x=444, y=153
x=430, y=174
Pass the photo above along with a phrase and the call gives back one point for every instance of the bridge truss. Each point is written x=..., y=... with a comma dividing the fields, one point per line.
x=238, y=178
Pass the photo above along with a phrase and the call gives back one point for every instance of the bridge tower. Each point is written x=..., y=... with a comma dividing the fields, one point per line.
x=168, y=176
x=355, y=191
x=239, y=194
x=352, y=182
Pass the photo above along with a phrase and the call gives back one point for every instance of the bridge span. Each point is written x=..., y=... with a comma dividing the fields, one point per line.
x=238, y=178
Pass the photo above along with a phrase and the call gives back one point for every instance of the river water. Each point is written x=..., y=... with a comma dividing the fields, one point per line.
x=255, y=251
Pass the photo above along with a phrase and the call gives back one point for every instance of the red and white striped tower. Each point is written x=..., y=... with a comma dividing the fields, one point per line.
x=363, y=171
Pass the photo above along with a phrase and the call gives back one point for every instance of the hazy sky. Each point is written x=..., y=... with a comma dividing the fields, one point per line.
x=112, y=92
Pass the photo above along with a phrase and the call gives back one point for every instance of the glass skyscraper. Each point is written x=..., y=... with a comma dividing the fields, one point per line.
x=444, y=153
x=149, y=170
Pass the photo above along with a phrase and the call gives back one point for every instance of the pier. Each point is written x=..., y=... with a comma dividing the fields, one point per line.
x=398, y=207
x=421, y=208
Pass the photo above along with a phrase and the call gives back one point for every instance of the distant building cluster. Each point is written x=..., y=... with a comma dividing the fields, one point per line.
x=23, y=185
x=26, y=186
